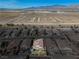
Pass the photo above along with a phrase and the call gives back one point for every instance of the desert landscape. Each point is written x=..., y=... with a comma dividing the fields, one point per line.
x=39, y=18
x=39, y=33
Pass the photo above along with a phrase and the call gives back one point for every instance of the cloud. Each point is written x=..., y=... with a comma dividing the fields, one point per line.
x=8, y=3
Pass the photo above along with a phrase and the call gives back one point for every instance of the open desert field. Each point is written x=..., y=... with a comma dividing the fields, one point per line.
x=39, y=18
x=7, y=16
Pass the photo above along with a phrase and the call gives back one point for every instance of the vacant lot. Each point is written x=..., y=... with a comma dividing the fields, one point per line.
x=39, y=18
x=9, y=15
x=6, y=16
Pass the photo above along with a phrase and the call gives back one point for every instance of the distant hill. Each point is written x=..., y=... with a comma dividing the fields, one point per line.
x=55, y=8
x=49, y=8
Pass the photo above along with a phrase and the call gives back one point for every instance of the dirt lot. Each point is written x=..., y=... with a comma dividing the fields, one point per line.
x=37, y=18
x=4, y=15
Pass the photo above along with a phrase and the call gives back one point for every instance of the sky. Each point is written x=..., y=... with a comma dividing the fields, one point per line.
x=34, y=3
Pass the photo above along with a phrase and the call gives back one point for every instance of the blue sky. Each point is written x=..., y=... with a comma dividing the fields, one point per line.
x=32, y=3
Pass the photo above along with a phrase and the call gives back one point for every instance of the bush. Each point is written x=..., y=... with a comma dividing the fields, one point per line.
x=10, y=24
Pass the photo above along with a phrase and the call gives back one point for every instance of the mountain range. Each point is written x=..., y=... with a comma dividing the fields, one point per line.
x=52, y=7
